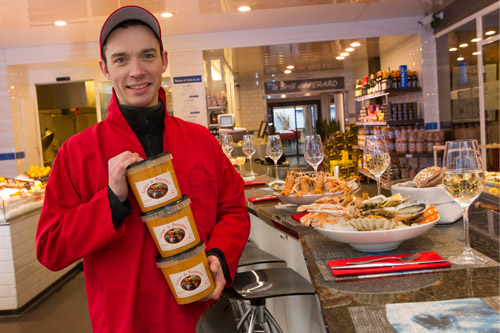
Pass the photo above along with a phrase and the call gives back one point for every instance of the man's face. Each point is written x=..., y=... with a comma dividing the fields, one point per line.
x=134, y=65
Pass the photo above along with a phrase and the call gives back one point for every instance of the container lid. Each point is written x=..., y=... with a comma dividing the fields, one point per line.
x=174, y=260
x=149, y=162
x=166, y=210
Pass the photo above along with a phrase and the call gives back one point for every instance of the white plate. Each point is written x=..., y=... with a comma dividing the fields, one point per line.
x=378, y=240
x=306, y=199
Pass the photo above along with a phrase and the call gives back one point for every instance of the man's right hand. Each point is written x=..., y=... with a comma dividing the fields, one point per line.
x=117, y=167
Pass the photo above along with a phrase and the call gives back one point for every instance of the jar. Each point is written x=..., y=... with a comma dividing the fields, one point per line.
x=172, y=227
x=188, y=274
x=153, y=182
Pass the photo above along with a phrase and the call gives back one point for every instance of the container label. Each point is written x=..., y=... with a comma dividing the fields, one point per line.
x=156, y=190
x=191, y=281
x=174, y=235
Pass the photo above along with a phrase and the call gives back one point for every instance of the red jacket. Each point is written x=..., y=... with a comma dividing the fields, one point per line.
x=126, y=292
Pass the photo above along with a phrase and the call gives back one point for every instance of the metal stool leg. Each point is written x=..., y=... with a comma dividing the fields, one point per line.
x=261, y=319
x=253, y=318
x=273, y=321
x=244, y=318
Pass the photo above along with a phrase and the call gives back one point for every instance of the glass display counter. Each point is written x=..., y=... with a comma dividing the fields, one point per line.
x=16, y=201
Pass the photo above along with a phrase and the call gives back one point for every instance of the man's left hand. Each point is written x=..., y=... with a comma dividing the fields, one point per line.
x=218, y=275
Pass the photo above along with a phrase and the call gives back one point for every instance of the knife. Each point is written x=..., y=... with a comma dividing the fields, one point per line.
x=386, y=264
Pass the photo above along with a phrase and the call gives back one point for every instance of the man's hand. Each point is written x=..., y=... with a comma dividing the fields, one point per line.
x=117, y=167
x=218, y=275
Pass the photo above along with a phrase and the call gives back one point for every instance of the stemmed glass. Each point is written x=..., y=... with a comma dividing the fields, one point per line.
x=313, y=151
x=464, y=180
x=249, y=149
x=274, y=150
x=226, y=142
x=376, y=157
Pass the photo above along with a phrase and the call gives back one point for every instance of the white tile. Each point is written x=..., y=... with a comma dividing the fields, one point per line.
x=6, y=255
x=5, y=230
x=7, y=279
x=12, y=291
x=5, y=242
x=8, y=303
x=5, y=291
x=6, y=267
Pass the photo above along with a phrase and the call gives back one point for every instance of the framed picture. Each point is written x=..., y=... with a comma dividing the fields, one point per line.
x=262, y=129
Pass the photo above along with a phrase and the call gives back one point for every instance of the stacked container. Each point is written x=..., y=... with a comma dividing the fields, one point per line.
x=167, y=214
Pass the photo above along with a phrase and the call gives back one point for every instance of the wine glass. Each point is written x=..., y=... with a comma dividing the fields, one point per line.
x=313, y=151
x=376, y=157
x=274, y=150
x=464, y=180
x=226, y=142
x=249, y=149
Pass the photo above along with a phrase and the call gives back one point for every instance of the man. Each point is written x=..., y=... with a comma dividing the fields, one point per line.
x=90, y=213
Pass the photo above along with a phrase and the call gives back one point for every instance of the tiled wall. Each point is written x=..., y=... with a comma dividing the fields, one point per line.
x=22, y=277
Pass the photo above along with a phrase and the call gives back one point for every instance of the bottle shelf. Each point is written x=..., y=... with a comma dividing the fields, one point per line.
x=391, y=122
x=386, y=92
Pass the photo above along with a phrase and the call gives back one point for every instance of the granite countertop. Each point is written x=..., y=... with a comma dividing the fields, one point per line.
x=340, y=300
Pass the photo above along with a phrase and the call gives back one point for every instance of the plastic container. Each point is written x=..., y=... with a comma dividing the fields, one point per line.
x=172, y=227
x=153, y=182
x=188, y=274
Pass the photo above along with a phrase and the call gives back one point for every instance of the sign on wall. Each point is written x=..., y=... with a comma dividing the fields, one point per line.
x=308, y=85
x=188, y=99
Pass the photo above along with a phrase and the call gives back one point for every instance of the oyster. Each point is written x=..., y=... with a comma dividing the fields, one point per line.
x=373, y=202
x=387, y=212
x=370, y=224
x=411, y=210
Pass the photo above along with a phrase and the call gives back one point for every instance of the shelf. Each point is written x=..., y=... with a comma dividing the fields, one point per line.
x=391, y=122
x=387, y=92
x=213, y=126
x=215, y=108
x=383, y=184
x=414, y=155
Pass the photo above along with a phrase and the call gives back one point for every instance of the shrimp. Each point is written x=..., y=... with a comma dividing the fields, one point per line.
x=318, y=183
x=304, y=185
x=289, y=183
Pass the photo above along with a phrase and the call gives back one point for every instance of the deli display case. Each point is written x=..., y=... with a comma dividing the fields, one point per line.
x=18, y=197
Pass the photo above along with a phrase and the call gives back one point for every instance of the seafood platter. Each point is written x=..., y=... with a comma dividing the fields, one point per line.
x=302, y=189
x=369, y=224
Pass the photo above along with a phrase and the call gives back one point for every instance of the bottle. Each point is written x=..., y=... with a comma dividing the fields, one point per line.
x=389, y=78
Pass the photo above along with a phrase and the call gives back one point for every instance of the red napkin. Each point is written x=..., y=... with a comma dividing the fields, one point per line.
x=297, y=217
x=255, y=182
x=424, y=256
x=263, y=198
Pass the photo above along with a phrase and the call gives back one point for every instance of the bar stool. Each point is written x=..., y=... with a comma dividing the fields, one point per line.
x=218, y=318
x=257, y=286
x=255, y=258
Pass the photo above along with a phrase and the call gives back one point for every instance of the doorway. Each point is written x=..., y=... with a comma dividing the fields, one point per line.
x=293, y=121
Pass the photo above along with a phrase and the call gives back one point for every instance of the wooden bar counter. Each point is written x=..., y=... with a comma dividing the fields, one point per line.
x=359, y=305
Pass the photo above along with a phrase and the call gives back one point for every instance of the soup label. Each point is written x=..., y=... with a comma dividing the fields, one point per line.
x=191, y=281
x=173, y=235
x=156, y=190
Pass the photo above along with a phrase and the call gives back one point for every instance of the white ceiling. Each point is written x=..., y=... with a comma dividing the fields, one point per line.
x=30, y=22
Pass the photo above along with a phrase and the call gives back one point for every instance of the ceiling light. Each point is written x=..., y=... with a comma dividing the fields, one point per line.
x=463, y=45
x=167, y=14
x=287, y=71
x=460, y=58
x=60, y=23
x=290, y=66
x=355, y=44
x=244, y=9
x=350, y=49
x=339, y=58
x=344, y=54
x=453, y=49
x=476, y=53
x=491, y=32
x=475, y=40
x=283, y=96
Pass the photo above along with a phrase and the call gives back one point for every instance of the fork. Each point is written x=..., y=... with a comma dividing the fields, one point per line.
x=409, y=258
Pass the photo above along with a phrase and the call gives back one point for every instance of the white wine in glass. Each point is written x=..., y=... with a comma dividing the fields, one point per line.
x=376, y=157
x=464, y=180
x=226, y=142
x=313, y=151
x=249, y=148
x=274, y=150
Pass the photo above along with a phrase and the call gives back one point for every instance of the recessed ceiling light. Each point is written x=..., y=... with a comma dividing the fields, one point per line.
x=283, y=96
x=460, y=58
x=476, y=53
x=355, y=44
x=491, y=32
x=475, y=40
x=287, y=71
x=339, y=58
x=167, y=14
x=344, y=54
x=60, y=23
x=290, y=66
x=350, y=49
x=244, y=9
x=463, y=45
x=453, y=49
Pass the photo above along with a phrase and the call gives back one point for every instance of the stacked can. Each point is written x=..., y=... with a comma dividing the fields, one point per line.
x=167, y=214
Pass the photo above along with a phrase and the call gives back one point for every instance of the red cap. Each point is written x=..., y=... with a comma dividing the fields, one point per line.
x=129, y=13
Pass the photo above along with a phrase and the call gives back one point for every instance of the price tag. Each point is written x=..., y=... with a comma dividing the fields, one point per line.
x=409, y=155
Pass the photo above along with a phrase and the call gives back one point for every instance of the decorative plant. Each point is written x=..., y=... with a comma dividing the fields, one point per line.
x=324, y=129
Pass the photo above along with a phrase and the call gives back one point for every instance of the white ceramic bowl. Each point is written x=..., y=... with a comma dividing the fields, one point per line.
x=378, y=240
